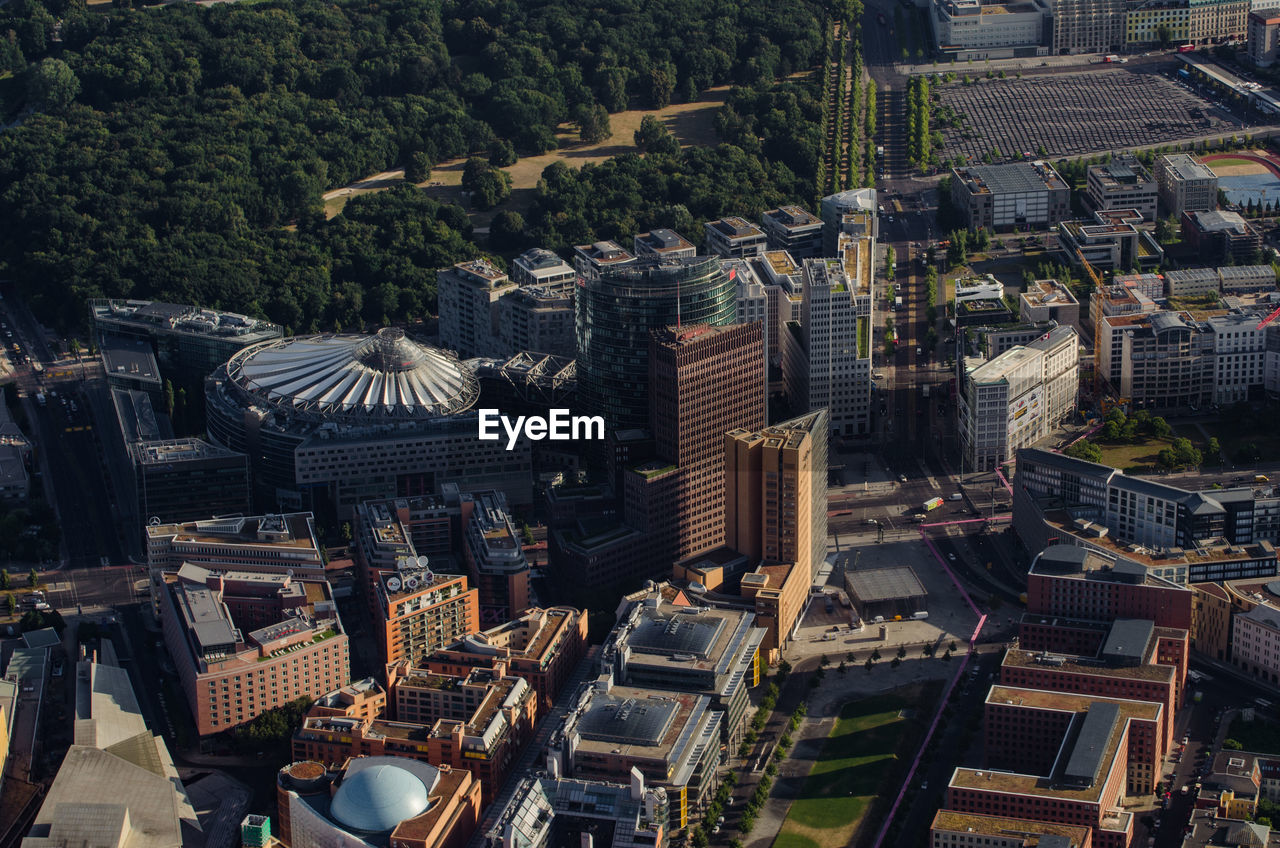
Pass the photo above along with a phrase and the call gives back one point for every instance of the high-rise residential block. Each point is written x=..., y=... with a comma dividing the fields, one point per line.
x=826, y=355
x=419, y=611
x=1018, y=398
x=495, y=557
x=468, y=295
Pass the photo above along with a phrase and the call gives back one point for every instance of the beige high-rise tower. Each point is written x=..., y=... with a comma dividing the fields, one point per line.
x=775, y=506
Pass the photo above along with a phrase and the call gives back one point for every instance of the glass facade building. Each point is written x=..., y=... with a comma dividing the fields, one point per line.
x=616, y=312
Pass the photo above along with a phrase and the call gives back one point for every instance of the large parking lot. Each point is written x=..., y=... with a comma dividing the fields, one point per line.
x=1074, y=113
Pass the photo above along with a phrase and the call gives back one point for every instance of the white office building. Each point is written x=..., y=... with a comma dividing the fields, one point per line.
x=753, y=303
x=538, y=266
x=1017, y=398
x=1185, y=185
x=1255, y=642
x=1239, y=349
x=991, y=30
x=826, y=356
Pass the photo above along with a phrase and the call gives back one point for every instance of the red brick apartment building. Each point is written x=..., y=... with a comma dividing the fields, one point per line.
x=966, y=830
x=418, y=612
x=1084, y=788
x=1077, y=583
x=543, y=646
x=1137, y=662
x=244, y=643
x=480, y=723
x=1025, y=729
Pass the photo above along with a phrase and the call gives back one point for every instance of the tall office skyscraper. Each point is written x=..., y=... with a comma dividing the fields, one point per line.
x=617, y=309
x=826, y=362
x=703, y=382
x=775, y=507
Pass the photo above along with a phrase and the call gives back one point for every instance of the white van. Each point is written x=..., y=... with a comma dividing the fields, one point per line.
x=955, y=496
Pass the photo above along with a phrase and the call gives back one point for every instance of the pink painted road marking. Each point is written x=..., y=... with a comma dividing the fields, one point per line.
x=937, y=716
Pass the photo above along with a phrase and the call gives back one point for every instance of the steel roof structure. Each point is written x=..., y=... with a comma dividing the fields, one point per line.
x=380, y=377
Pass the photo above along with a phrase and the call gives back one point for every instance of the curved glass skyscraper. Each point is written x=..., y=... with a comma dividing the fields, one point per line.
x=615, y=312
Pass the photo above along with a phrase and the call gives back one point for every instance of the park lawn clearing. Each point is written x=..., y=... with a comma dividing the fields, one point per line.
x=1143, y=455
x=1128, y=455
x=855, y=765
x=691, y=123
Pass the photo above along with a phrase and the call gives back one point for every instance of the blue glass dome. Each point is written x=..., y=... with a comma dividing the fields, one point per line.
x=377, y=799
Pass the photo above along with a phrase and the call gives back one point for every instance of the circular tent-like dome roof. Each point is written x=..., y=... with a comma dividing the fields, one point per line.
x=385, y=376
x=377, y=799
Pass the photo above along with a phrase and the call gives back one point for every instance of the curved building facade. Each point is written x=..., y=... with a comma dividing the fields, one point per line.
x=618, y=308
x=376, y=801
x=334, y=420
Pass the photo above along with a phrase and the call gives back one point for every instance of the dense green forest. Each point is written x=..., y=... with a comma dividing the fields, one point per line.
x=180, y=152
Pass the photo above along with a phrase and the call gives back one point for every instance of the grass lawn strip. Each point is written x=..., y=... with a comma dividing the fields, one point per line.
x=1143, y=454
x=848, y=775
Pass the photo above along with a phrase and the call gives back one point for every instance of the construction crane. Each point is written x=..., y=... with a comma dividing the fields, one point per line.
x=1265, y=321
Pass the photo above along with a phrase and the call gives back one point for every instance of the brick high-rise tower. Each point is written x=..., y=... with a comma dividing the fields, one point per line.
x=703, y=382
